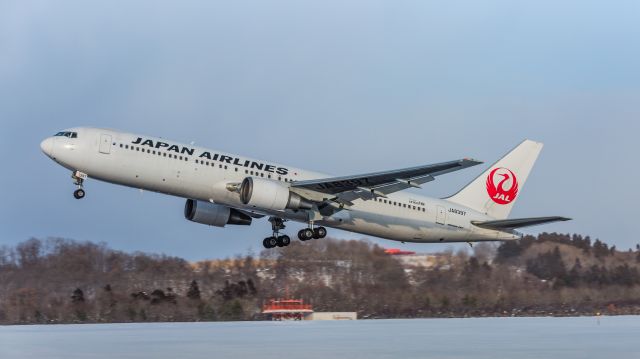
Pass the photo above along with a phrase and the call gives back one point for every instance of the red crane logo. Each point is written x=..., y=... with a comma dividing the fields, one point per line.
x=507, y=188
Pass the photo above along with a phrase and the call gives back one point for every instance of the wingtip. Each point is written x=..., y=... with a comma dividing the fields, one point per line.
x=473, y=161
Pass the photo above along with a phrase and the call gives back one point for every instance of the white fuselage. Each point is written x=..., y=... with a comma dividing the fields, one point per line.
x=203, y=174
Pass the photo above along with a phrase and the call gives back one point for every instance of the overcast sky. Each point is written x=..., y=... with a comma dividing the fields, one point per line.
x=341, y=87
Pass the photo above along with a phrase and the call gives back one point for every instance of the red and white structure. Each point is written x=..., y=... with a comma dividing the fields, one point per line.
x=287, y=309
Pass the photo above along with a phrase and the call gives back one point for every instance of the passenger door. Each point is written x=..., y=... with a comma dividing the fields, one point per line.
x=105, y=143
x=441, y=215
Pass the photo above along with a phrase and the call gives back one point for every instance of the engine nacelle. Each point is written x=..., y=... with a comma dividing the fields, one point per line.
x=214, y=214
x=269, y=194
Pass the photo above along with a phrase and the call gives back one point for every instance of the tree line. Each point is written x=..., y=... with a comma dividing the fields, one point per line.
x=65, y=281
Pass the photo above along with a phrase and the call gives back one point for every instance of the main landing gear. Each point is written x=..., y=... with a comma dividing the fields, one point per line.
x=276, y=240
x=312, y=233
x=78, y=179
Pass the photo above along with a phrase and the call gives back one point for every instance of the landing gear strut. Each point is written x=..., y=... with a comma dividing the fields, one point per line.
x=78, y=179
x=276, y=240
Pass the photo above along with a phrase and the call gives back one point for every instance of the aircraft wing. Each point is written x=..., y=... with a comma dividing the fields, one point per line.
x=506, y=224
x=378, y=184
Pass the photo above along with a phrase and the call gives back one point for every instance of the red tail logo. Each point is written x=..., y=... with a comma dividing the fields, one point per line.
x=507, y=188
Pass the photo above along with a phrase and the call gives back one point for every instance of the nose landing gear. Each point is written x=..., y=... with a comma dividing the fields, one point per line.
x=78, y=179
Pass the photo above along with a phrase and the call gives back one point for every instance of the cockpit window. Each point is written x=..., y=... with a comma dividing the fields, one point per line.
x=67, y=134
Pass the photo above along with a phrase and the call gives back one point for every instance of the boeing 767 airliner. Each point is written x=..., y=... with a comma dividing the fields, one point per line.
x=227, y=189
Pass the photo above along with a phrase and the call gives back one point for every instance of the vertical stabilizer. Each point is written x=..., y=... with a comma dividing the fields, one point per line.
x=496, y=190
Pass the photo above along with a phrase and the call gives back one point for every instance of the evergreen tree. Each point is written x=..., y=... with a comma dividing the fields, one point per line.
x=547, y=265
x=194, y=290
x=77, y=296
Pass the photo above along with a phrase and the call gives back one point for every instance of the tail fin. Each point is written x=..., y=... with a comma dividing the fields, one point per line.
x=495, y=191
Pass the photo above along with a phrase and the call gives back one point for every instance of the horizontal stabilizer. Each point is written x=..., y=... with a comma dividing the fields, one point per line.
x=505, y=224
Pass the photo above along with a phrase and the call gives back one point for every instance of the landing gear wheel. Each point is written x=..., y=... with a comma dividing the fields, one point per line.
x=305, y=234
x=319, y=232
x=285, y=240
x=308, y=233
x=270, y=242
x=79, y=193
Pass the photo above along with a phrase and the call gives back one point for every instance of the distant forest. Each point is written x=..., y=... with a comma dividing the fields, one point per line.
x=65, y=281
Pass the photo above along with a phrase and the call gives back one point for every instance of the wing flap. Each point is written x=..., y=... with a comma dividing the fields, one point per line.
x=506, y=224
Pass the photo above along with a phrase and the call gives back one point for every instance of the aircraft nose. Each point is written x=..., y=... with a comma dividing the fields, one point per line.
x=47, y=146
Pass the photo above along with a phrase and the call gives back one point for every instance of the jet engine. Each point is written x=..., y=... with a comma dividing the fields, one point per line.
x=214, y=214
x=269, y=194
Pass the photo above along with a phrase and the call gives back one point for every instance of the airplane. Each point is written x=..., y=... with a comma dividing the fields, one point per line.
x=227, y=189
